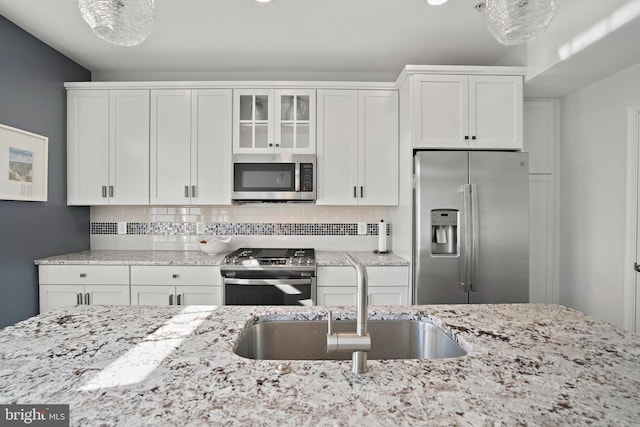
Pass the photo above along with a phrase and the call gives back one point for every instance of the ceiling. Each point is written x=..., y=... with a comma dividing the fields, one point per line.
x=357, y=39
x=365, y=40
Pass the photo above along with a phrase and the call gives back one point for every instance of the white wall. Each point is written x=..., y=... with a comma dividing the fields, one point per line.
x=592, y=195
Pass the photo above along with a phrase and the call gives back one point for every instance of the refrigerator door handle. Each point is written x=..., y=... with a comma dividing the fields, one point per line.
x=475, y=244
x=467, y=239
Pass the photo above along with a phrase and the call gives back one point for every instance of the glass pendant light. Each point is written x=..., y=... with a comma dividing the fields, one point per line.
x=121, y=22
x=514, y=22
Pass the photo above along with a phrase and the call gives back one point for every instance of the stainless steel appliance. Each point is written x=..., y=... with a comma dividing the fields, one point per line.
x=274, y=177
x=269, y=276
x=471, y=218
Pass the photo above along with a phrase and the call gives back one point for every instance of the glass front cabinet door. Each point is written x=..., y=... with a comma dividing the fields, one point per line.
x=274, y=121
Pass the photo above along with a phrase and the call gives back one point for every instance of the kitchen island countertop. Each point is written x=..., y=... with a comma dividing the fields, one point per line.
x=142, y=365
x=142, y=257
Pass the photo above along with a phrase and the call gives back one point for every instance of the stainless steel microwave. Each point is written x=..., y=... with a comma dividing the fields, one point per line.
x=274, y=177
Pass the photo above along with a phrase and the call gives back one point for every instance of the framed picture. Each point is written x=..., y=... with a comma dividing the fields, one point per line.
x=23, y=165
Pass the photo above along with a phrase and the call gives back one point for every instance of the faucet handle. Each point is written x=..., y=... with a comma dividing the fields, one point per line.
x=329, y=323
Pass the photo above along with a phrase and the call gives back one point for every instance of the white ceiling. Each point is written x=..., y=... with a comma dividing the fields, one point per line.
x=358, y=38
x=368, y=40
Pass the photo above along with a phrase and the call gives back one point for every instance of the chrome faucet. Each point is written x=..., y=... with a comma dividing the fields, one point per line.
x=360, y=341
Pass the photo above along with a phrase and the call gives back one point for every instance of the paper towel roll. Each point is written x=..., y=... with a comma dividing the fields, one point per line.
x=382, y=236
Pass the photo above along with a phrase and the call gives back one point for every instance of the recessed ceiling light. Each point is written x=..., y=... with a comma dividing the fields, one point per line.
x=436, y=2
x=269, y=1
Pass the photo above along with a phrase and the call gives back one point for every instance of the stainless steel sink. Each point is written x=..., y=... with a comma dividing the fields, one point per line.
x=307, y=340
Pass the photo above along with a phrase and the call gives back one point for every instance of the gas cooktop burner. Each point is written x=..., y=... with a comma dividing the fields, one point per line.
x=269, y=257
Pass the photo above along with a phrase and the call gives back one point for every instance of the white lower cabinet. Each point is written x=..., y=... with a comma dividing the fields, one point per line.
x=63, y=285
x=176, y=285
x=387, y=285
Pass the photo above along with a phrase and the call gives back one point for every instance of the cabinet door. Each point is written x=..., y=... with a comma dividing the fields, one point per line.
x=87, y=147
x=295, y=121
x=129, y=147
x=199, y=295
x=211, y=146
x=387, y=295
x=106, y=294
x=378, y=147
x=253, y=118
x=170, y=146
x=541, y=224
x=441, y=111
x=495, y=112
x=337, y=159
x=152, y=295
x=336, y=295
x=540, y=134
x=55, y=296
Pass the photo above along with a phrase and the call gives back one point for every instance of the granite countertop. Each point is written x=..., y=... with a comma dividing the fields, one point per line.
x=142, y=365
x=116, y=257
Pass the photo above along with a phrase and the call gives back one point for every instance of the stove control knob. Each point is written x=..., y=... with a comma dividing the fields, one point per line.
x=236, y=260
x=309, y=261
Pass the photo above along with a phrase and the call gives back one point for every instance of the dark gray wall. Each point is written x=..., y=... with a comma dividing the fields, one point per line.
x=33, y=98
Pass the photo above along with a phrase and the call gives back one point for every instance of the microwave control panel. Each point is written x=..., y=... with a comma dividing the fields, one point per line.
x=306, y=177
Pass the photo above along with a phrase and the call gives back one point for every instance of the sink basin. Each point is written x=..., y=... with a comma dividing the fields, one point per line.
x=307, y=340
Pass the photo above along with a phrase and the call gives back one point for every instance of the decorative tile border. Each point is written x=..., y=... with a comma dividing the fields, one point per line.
x=236, y=229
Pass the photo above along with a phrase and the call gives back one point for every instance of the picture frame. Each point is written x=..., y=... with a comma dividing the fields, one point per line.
x=24, y=165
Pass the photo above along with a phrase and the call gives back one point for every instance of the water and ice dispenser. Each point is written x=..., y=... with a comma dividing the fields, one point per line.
x=444, y=232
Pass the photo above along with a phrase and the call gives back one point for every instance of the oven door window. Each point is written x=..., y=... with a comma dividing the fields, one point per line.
x=278, y=294
x=262, y=177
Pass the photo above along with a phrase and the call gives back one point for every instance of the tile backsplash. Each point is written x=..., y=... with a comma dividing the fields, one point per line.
x=275, y=225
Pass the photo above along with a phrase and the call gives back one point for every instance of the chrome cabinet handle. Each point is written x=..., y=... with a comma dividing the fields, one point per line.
x=83, y=274
x=104, y=191
x=193, y=191
x=175, y=276
x=362, y=192
x=170, y=299
x=186, y=191
x=473, y=137
x=79, y=298
x=179, y=298
x=355, y=192
x=111, y=191
x=86, y=298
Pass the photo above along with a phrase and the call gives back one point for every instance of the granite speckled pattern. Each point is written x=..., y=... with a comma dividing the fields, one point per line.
x=368, y=258
x=133, y=258
x=323, y=258
x=142, y=365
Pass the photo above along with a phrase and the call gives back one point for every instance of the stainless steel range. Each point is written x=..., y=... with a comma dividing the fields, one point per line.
x=269, y=276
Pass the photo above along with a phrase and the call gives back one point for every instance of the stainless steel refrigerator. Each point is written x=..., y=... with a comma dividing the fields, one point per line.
x=471, y=214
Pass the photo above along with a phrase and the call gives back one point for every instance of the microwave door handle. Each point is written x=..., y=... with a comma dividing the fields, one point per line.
x=297, y=178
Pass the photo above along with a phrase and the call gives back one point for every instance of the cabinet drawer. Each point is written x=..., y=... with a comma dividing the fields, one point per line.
x=377, y=276
x=84, y=274
x=175, y=275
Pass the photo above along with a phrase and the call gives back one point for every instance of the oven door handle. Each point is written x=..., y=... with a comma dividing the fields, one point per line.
x=273, y=282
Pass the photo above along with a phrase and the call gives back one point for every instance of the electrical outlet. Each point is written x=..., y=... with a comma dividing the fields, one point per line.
x=362, y=228
x=199, y=228
x=122, y=227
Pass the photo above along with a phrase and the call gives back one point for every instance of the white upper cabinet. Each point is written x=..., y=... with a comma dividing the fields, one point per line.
x=467, y=112
x=540, y=134
x=269, y=121
x=108, y=147
x=190, y=146
x=357, y=147
x=211, y=146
